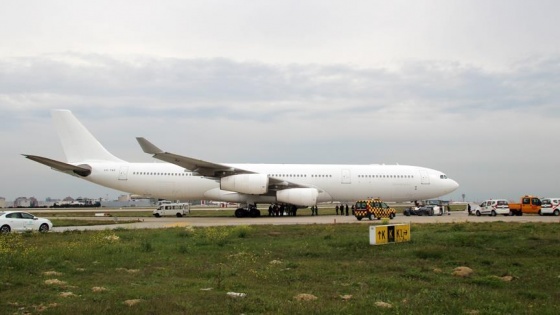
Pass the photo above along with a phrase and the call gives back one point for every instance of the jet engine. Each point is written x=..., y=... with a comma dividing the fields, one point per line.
x=298, y=196
x=252, y=184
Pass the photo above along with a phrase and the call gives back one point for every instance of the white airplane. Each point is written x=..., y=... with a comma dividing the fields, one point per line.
x=187, y=178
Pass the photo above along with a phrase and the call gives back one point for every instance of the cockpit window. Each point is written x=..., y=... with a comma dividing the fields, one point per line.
x=443, y=176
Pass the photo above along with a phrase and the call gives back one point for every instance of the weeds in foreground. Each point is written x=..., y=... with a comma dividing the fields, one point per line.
x=191, y=270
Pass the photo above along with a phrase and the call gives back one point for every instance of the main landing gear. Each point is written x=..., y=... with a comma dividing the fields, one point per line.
x=250, y=211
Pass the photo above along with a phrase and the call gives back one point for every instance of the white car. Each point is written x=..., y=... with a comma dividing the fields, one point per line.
x=550, y=206
x=493, y=207
x=18, y=221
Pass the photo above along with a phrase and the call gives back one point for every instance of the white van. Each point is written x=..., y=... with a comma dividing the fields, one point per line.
x=175, y=209
x=493, y=207
x=550, y=206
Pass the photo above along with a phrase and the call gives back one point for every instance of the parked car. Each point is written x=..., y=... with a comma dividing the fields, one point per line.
x=550, y=206
x=493, y=207
x=18, y=221
x=424, y=210
x=427, y=207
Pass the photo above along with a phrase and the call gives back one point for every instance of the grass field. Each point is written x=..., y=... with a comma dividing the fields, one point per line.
x=190, y=271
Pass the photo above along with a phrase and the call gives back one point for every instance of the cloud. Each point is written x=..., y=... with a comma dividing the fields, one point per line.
x=486, y=129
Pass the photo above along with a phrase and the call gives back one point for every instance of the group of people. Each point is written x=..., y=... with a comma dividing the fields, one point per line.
x=342, y=209
x=278, y=210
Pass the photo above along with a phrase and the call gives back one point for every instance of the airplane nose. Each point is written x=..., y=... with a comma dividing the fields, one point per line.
x=453, y=185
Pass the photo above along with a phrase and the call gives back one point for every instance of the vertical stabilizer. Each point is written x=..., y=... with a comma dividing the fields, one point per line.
x=78, y=143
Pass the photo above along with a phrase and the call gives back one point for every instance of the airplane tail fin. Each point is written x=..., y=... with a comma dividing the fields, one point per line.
x=78, y=143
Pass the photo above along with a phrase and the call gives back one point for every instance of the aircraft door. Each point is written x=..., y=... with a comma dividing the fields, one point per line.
x=346, y=179
x=123, y=173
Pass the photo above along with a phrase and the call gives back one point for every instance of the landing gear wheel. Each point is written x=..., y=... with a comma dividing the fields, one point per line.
x=254, y=212
x=240, y=213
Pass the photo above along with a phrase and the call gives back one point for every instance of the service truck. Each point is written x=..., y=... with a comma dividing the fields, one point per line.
x=373, y=208
x=529, y=204
x=172, y=209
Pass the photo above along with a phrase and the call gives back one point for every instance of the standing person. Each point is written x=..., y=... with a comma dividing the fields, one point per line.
x=270, y=210
x=469, y=209
x=346, y=209
x=353, y=213
x=316, y=210
x=336, y=208
x=341, y=209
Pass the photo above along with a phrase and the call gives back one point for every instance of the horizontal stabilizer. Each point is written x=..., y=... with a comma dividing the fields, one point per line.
x=81, y=170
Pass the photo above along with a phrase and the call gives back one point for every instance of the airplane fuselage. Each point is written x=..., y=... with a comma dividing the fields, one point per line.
x=334, y=182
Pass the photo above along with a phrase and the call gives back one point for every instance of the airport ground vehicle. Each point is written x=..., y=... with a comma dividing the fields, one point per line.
x=493, y=207
x=18, y=221
x=173, y=209
x=550, y=206
x=423, y=210
x=427, y=207
x=373, y=208
x=529, y=204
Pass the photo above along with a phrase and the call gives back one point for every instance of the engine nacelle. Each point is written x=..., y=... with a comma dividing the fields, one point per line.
x=252, y=184
x=298, y=196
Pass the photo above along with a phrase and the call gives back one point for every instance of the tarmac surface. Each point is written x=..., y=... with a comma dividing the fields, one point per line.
x=167, y=222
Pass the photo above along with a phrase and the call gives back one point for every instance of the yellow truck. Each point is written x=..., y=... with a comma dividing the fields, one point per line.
x=529, y=204
x=373, y=208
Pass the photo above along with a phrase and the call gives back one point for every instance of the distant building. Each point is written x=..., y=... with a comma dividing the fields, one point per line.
x=24, y=202
x=2, y=202
x=124, y=198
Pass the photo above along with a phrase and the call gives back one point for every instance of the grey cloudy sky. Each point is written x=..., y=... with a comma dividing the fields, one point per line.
x=471, y=88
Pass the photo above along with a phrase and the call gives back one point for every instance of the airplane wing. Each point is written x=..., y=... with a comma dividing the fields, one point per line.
x=61, y=166
x=209, y=169
x=202, y=167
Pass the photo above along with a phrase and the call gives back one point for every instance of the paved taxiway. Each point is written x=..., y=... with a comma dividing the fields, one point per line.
x=152, y=223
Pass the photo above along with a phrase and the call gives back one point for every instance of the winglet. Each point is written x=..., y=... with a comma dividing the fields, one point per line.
x=147, y=146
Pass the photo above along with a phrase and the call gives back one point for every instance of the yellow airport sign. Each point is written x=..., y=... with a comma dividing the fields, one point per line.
x=392, y=233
